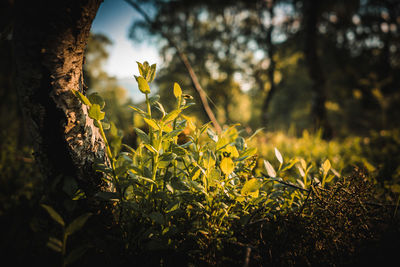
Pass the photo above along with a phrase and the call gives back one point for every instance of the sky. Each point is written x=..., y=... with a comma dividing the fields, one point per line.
x=114, y=18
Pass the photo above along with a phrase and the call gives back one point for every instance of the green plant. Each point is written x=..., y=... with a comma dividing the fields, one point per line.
x=189, y=196
x=60, y=245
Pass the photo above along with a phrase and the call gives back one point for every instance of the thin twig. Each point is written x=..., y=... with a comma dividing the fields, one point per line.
x=247, y=259
x=287, y=184
x=185, y=61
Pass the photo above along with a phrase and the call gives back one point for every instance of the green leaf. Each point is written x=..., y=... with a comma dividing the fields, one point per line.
x=141, y=69
x=301, y=171
x=170, y=188
x=53, y=214
x=160, y=107
x=152, y=123
x=95, y=98
x=172, y=207
x=303, y=164
x=172, y=115
x=138, y=110
x=177, y=90
x=151, y=148
x=179, y=151
x=395, y=188
x=250, y=186
x=173, y=133
x=152, y=73
x=83, y=98
x=55, y=244
x=213, y=136
x=143, y=85
x=326, y=166
x=248, y=153
x=110, y=196
x=153, y=99
x=106, y=125
x=227, y=165
x=129, y=193
x=77, y=224
x=95, y=112
x=270, y=170
x=138, y=177
x=75, y=254
x=278, y=155
x=142, y=135
x=165, y=159
x=167, y=156
x=255, y=133
x=156, y=217
x=205, y=127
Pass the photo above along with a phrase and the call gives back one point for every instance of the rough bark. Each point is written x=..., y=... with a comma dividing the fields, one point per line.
x=49, y=42
x=318, y=111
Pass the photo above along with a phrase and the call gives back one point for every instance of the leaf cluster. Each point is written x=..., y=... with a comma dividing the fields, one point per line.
x=189, y=196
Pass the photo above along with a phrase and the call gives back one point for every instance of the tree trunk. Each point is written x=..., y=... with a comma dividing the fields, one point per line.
x=272, y=66
x=49, y=42
x=318, y=111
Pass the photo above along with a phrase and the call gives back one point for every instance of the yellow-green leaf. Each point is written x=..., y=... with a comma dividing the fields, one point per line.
x=227, y=165
x=326, y=166
x=303, y=164
x=278, y=155
x=53, y=214
x=232, y=151
x=143, y=85
x=177, y=90
x=77, y=224
x=96, y=113
x=248, y=153
x=152, y=73
x=270, y=170
x=151, y=148
x=152, y=124
x=141, y=68
x=172, y=115
x=95, y=98
x=252, y=185
x=81, y=97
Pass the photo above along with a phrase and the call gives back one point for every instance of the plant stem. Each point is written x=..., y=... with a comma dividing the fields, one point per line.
x=64, y=247
x=108, y=150
x=148, y=105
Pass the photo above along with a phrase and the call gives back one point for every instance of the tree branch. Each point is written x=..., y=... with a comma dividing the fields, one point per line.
x=185, y=61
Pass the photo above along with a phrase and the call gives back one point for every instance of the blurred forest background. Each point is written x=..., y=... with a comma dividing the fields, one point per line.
x=328, y=69
x=293, y=67
x=321, y=77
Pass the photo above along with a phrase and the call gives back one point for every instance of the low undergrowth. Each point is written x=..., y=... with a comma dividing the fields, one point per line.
x=203, y=197
x=189, y=196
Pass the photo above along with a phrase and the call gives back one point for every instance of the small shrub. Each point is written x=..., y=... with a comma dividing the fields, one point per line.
x=188, y=197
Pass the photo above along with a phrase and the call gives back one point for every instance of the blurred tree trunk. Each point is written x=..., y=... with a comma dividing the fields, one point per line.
x=312, y=11
x=49, y=40
x=272, y=66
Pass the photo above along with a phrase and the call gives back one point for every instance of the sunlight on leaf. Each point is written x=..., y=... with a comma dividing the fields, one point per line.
x=270, y=170
x=95, y=112
x=143, y=85
x=251, y=186
x=227, y=165
x=278, y=155
x=177, y=90
x=152, y=124
x=326, y=166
